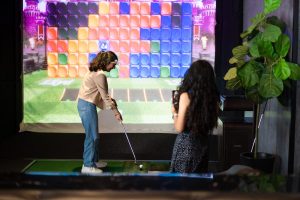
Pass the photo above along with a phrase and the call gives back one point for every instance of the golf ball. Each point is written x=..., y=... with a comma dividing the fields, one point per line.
x=140, y=166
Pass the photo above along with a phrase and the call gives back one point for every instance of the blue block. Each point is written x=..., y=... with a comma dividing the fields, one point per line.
x=145, y=33
x=52, y=20
x=176, y=8
x=186, y=8
x=83, y=20
x=186, y=46
x=183, y=70
x=51, y=8
x=175, y=46
x=155, y=8
x=165, y=59
x=145, y=58
x=93, y=8
x=186, y=21
x=186, y=33
x=165, y=21
x=176, y=21
x=165, y=33
x=175, y=59
x=155, y=33
x=154, y=71
x=176, y=34
x=145, y=71
x=134, y=71
x=124, y=8
x=92, y=56
x=135, y=58
x=165, y=46
x=83, y=8
x=73, y=21
x=62, y=8
x=186, y=59
x=62, y=21
x=175, y=71
x=155, y=58
x=72, y=8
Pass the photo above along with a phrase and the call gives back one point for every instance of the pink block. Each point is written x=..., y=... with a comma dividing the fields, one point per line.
x=114, y=45
x=103, y=33
x=103, y=20
x=124, y=71
x=114, y=33
x=135, y=46
x=93, y=33
x=134, y=8
x=62, y=45
x=114, y=21
x=124, y=20
x=166, y=8
x=145, y=46
x=114, y=8
x=135, y=20
x=51, y=33
x=155, y=21
x=145, y=21
x=124, y=58
x=52, y=45
x=124, y=33
x=135, y=34
x=124, y=46
x=145, y=8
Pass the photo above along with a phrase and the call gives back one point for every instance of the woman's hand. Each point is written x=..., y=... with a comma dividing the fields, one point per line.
x=118, y=116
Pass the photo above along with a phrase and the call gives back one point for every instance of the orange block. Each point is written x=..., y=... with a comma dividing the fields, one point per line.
x=82, y=70
x=51, y=33
x=93, y=46
x=114, y=33
x=134, y=8
x=145, y=46
x=145, y=8
x=52, y=71
x=62, y=45
x=124, y=71
x=135, y=20
x=52, y=58
x=83, y=46
x=83, y=58
x=124, y=46
x=103, y=33
x=114, y=8
x=135, y=46
x=103, y=20
x=124, y=33
x=51, y=45
x=124, y=59
x=103, y=8
x=73, y=71
x=93, y=21
x=73, y=46
x=83, y=33
x=166, y=8
x=73, y=58
x=124, y=20
x=155, y=21
x=114, y=45
x=93, y=33
x=114, y=20
x=62, y=71
x=145, y=21
x=135, y=34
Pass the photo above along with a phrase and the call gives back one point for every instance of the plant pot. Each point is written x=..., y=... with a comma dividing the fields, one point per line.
x=264, y=161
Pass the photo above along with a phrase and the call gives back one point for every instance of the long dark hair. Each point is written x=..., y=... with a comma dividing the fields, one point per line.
x=102, y=59
x=200, y=84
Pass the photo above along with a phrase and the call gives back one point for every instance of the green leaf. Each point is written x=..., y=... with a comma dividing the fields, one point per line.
x=270, y=86
x=295, y=71
x=249, y=74
x=281, y=70
x=271, y=5
x=233, y=60
x=254, y=50
x=255, y=21
x=282, y=45
x=276, y=22
x=252, y=93
x=233, y=84
x=231, y=74
x=240, y=51
x=265, y=48
x=271, y=32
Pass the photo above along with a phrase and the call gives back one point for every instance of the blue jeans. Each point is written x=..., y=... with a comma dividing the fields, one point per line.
x=89, y=118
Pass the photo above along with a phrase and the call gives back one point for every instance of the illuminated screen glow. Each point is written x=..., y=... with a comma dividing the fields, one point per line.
x=156, y=41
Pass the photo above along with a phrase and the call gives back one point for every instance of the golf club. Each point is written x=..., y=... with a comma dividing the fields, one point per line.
x=125, y=132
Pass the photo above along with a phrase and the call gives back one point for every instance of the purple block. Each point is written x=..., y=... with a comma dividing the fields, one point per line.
x=83, y=20
x=83, y=8
x=62, y=21
x=61, y=8
x=52, y=20
x=51, y=8
x=176, y=8
x=176, y=21
x=72, y=8
x=93, y=8
x=73, y=21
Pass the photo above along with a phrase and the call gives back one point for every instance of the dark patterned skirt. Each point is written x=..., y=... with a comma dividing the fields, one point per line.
x=190, y=154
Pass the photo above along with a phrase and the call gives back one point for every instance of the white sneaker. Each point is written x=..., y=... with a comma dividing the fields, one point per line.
x=101, y=164
x=90, y=170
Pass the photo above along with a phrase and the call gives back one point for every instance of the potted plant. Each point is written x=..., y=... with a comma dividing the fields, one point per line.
x=259, y=65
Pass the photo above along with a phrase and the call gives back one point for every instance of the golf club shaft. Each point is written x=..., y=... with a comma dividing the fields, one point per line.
x=128, y=142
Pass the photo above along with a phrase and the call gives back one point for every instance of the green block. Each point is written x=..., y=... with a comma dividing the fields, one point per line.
x=155, y=46
x=114, y=73
x=62, y=59
x=165, y=71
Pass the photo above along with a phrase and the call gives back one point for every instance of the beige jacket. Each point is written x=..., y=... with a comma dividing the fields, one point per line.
x=94, y=89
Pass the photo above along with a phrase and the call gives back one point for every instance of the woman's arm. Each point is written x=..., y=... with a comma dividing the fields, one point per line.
x=180, y=117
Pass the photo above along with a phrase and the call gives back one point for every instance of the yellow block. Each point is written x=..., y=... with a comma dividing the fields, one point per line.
x=103, y=8
x=52, y=71
x=83, y=33
x=73, y=46
x=83, y=46
x=93, y=46
x=52, y=58
x=83, y=59
x=73, y=59
x=73, y=71
x=93, y=21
